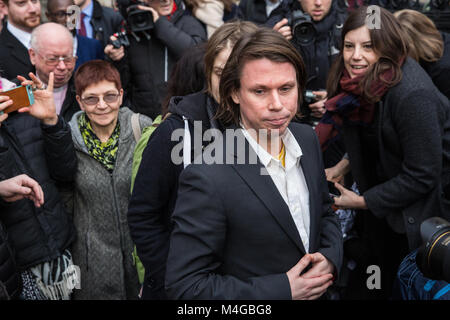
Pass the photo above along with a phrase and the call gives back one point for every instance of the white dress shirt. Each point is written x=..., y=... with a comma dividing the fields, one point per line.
x=23, y=36
x=290, y=181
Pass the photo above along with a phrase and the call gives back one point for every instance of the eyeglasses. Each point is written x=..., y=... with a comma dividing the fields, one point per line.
x=108, y=98
x=54, y=61
x=61, y=14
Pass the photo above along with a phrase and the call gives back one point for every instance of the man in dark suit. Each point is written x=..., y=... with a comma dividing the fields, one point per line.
x=254, y=221
x=23, y=17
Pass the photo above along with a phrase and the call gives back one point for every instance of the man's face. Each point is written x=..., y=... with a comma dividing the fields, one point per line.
x=317, y=9
x=58, y=12
x=163, y=7
x=51, y=48
x=24, y=14
x=268, y=96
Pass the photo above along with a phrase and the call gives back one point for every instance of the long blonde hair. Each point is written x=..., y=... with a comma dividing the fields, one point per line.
x=425, y=42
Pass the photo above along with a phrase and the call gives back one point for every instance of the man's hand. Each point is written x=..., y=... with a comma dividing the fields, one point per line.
x=44, y=105
x=303, y=288
x=283, y=28
x=113, y=53
x=337, y=173
x=319, y=266
x=348, y=199
x=21, y=187
x=153, y=11
x=318, y=107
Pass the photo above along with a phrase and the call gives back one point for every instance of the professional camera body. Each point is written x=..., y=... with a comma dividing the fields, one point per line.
x=433, y=257
x=303, y=30
x=138, y=21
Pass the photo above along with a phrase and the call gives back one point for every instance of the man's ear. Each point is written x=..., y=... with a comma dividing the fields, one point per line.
x=32, y=55
x=79, y=102
x=235, y=97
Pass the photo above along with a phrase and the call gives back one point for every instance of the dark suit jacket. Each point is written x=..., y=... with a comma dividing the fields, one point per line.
x=234, y=236
x=14, y=58
x=88, y=49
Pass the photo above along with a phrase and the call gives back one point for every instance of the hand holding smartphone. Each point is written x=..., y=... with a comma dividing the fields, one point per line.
x=21, y=96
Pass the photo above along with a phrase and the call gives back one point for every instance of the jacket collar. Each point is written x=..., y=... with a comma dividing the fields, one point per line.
x=252, y=172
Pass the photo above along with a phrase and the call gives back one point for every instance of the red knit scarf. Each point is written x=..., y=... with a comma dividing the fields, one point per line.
x=349, y=105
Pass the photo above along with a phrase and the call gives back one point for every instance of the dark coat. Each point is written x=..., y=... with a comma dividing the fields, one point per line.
x=14, y=57
x=87, y=50
x=10, y=284
x=46, y=154
x=156, y=185
x=255, y=11
x=148, y=63
x=413, y=136
x=234, y=236
x=439, y=71
x=105, y=21
x=70, y=104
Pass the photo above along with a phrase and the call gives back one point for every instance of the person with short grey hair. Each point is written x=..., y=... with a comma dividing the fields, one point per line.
x=52, y=51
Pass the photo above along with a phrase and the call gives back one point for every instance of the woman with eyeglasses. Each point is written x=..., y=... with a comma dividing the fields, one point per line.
x=104, y=141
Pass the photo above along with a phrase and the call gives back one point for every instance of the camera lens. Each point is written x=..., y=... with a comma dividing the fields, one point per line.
x=433, y=258
x=304, y=33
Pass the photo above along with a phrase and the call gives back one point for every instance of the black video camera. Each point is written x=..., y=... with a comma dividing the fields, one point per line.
x=122, y=40
x=433, y=257
x=303, y=30
x=137, y=20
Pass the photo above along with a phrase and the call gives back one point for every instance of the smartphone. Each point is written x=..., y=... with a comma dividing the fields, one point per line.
x=21, y=96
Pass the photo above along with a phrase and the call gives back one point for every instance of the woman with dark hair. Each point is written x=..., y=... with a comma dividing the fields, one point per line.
x=104, y=141
x=156, y=184
x=396, y=127
x=428, y=46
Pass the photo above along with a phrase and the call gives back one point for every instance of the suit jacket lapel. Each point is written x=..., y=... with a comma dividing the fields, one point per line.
x=18, y=49
x=265, y=189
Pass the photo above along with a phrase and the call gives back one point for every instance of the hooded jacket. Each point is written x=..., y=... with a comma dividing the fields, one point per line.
x=155, y=189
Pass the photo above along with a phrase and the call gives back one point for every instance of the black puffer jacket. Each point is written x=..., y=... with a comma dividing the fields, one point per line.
x=147, y=65
x=9, y=277
x=46, y=154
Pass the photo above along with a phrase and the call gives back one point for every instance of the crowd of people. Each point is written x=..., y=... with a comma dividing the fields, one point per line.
x=223, y=150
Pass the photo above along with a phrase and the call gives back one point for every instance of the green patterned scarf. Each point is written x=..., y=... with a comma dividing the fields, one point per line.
x=105, y=153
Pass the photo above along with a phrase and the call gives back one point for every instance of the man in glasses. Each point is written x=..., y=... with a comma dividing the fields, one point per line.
x=52, y=51
x=84, y=48
x=23, y=17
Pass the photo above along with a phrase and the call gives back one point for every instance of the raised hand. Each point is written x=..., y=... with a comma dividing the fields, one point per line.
x=283, y=28
x=44, y=104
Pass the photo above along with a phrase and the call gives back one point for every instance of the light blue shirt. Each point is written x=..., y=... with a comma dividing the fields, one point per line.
x=88, y=11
